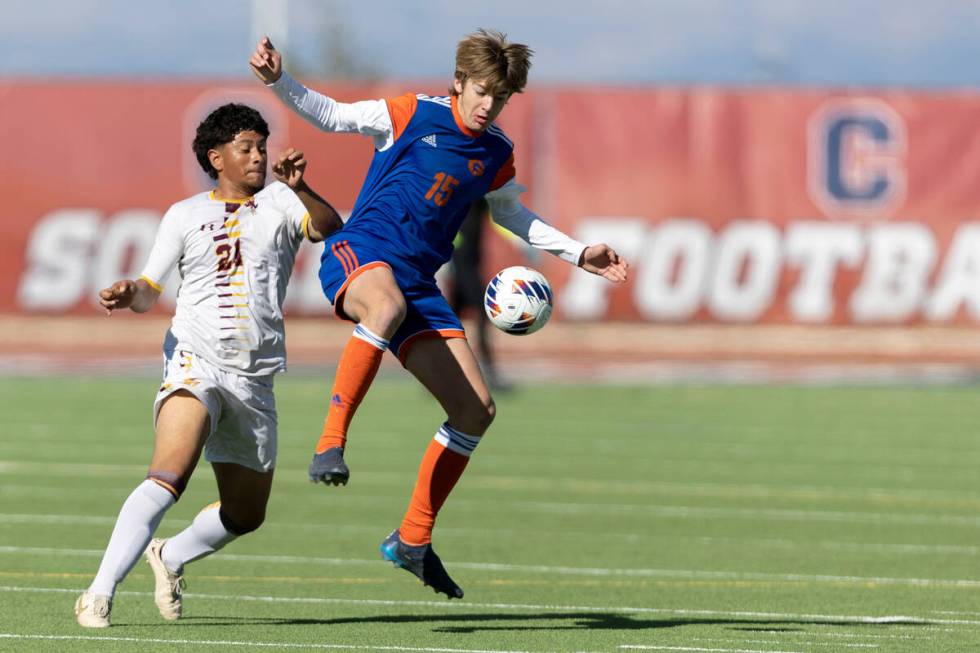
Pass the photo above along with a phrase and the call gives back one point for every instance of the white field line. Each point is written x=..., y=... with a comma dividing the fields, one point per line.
x=442, y=606
x=725, y=490
x=877, y=548
x=833, y=635
x=671, y=574
x=777, y=641
x=73, y=520
x=785, y=634
x=249, y=644
x=287, y=477
x=679, y=512
x=883, y=548
x=699, y=649
x=807, y=454
x=773, y=514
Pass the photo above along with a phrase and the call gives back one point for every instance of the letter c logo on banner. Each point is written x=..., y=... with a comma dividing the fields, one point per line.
x=856, y=158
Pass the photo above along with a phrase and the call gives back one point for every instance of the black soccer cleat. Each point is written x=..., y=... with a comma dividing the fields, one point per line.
x=329, y=467
x=423, y=562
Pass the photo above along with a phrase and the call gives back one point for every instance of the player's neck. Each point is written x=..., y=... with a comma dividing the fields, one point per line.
x=226, y=190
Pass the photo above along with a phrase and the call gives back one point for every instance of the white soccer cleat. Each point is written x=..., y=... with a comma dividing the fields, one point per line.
x=169, y=586
x=92, y=610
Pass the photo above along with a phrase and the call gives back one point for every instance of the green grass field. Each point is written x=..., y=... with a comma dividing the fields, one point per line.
x=715, y=519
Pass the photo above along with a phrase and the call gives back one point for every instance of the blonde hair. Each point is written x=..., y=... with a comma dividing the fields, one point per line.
x=486, y=55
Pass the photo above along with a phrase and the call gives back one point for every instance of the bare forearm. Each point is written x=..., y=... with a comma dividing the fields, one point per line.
x=139, y=295
x=144, y=299
x=324, y=220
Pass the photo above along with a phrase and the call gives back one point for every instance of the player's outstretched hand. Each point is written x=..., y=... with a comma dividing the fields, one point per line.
x=266, y=62
x=603, y=260
x=118, y=295
x=289, y=168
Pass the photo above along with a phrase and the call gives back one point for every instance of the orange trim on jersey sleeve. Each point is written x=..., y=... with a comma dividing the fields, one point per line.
x=505, y=174
x=401, y=109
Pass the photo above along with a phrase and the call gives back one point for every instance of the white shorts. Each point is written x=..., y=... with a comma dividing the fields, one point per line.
x=242, y=409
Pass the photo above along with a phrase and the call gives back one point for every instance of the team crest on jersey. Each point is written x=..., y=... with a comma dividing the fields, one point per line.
x=856, y=158
x=476, y=167
x=430, y=139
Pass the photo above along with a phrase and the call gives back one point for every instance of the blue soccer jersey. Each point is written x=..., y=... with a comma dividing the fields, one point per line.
x=428, y=168
x=418, y=190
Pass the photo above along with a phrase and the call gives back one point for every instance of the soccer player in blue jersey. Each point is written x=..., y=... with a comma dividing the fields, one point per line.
x=434, y=156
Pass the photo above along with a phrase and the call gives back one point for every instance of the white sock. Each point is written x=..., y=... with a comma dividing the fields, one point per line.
x=138, y=519
x=370, y=337
x=204, y=536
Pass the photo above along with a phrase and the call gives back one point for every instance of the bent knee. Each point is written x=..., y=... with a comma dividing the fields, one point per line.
x=240, y=524
x=489, y=412
x=475, y=419
x=385, y=313
x=391, y=310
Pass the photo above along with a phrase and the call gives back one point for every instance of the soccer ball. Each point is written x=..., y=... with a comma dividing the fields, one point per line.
x=518, y=300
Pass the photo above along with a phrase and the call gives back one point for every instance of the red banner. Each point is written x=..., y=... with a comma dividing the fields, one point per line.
x=732, y=206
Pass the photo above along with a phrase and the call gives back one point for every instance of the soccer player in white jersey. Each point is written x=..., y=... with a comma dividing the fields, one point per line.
x=234, y=247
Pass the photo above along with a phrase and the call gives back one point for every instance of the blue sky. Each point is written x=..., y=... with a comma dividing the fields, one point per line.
x=832, y=42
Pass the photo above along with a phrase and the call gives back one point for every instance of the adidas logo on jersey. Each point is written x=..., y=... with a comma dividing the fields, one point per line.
x=430, y=139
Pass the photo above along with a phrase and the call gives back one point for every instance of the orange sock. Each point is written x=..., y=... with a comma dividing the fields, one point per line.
x=358, y=365
x=441, y=468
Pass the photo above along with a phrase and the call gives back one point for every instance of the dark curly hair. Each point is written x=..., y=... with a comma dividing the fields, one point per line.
x=221, y=126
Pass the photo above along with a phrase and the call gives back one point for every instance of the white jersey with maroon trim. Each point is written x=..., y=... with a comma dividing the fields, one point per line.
x=235, y=258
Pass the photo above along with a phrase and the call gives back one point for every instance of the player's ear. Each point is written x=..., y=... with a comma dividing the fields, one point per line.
x=458, y=85
x=217, y=162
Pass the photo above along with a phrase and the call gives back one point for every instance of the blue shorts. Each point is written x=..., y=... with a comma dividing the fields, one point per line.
x=428, y=313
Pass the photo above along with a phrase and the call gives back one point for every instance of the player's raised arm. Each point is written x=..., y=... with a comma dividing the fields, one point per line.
x=266, y=62
x=290, y=169
x=368, y=117
x=507, y=210
x=137, y=295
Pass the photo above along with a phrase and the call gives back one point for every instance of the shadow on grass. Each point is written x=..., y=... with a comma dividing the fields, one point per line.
x=472, y=623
